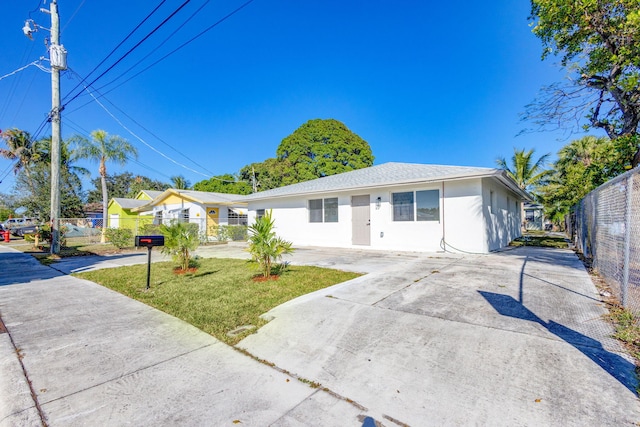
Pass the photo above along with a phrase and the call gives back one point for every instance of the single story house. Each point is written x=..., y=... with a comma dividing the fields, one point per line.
x=119, y=210
x=533, y=216
x=208, y=210
x=399, y=206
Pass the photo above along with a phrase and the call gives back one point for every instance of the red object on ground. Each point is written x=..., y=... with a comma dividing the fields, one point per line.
x=7, y=235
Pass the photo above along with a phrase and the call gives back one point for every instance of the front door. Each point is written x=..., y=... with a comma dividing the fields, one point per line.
x=212, y=220
x=360, y=220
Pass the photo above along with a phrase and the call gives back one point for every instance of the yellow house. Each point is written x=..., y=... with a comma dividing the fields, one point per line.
x=120, y=214
x=208, y=210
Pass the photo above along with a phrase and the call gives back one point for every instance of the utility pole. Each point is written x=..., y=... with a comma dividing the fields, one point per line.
x=57, y=58
x=58, y=61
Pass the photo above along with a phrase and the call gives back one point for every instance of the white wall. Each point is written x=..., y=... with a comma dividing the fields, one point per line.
x=464, y=226
x=461, y=220
x=502, y=218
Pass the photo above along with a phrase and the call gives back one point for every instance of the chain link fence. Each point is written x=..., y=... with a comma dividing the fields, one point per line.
x=605, y=227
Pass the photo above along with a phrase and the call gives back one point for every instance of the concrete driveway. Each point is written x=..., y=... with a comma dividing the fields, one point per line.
x=514, y=338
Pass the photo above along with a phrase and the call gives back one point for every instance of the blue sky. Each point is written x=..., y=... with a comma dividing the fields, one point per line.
x=423, y=82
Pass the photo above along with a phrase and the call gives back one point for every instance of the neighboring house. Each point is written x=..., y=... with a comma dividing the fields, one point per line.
x=398, y=206
x=533, y=216
x=208, y=210
x=120, y=212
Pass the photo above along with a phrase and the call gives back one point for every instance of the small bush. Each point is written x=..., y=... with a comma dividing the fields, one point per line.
x=234, y=233
x=119, y=237
x=150, y=230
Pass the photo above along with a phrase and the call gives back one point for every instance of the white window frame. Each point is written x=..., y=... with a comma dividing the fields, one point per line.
x=414, y=217
x=321, y=214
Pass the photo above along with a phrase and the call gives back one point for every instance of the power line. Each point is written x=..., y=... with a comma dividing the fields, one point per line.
x=215, y=24
x=116, y=48
x=130, y=50
x=157, y=47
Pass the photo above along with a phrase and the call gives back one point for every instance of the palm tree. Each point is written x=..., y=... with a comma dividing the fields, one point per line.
x=523, y=170
x=104, y=148
x=22, y=150
x=179, y=182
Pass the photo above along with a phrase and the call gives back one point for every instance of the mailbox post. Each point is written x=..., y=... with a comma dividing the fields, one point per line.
x=149, y=242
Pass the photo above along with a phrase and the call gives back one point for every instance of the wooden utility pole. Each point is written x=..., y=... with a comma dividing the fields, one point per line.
x=57, y=58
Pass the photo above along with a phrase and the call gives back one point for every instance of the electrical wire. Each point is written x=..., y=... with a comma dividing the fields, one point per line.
x=215, y=24
x=72, y=16
x=162, y=43
x=116, y=48
x=129, y=51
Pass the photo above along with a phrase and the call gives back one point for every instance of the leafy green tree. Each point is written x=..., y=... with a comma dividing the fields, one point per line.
x=179, y=182
x=103, y=148
x=140, y=183
x=583, y=165
x=321, y=148
x=226, y=183
x=22, y=150
x=597, y=42
x=264, y=246
x=527, y=173
x=34, y=190
x=268, y=174
x=180, y=240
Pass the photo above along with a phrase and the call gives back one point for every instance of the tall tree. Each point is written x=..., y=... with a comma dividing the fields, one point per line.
x=527, y=173
x=226, y=183
x=321, y=148
x=140, y=183
x=103, y=148
x=583, y=165
x=179, y=182
x=34, y=190
x=599, y=43
x=22, y=150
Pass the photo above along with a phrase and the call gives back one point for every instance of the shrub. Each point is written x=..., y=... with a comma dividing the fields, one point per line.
x=265, y=247
x=150, y=230
x=180, y=239
x=119, y=237
x=232, y=232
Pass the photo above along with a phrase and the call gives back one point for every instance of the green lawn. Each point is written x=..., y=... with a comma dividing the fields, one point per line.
x=220, y=296
x=540, y=239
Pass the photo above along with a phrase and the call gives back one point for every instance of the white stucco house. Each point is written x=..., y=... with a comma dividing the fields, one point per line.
x=398, y=206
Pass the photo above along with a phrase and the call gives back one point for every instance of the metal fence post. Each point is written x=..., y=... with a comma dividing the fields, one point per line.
x=627, y=241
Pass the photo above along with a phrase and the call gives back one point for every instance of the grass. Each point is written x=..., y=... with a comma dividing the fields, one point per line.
x=221, y=296
x=627, y=328
x=540, y=239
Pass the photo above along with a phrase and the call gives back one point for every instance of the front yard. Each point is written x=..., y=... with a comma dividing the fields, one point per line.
x=220, y=296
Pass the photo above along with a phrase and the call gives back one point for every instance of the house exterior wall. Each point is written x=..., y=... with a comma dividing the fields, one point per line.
x=462, y=219
x=501, y=209
x=125, y=219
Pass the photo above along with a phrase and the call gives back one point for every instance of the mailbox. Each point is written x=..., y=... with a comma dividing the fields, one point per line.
x=149, y=241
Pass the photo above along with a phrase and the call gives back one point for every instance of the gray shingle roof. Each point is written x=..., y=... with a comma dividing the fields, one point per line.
x=381, y=175
x=129, y=203
x=209, y=197
x=153, y=193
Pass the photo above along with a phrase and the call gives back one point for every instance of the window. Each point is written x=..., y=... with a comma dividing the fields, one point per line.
x=425, y=208
x=184, y=215
x=428, y=205
x=331, y=210
x=236, y=218
x=259, y=213
x=402, y=206
x=157, y=219
x=315, y=210
x=323, y=210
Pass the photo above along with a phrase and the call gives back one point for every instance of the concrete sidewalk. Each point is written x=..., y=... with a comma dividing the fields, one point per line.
x=95, y=357
x=513, y=338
